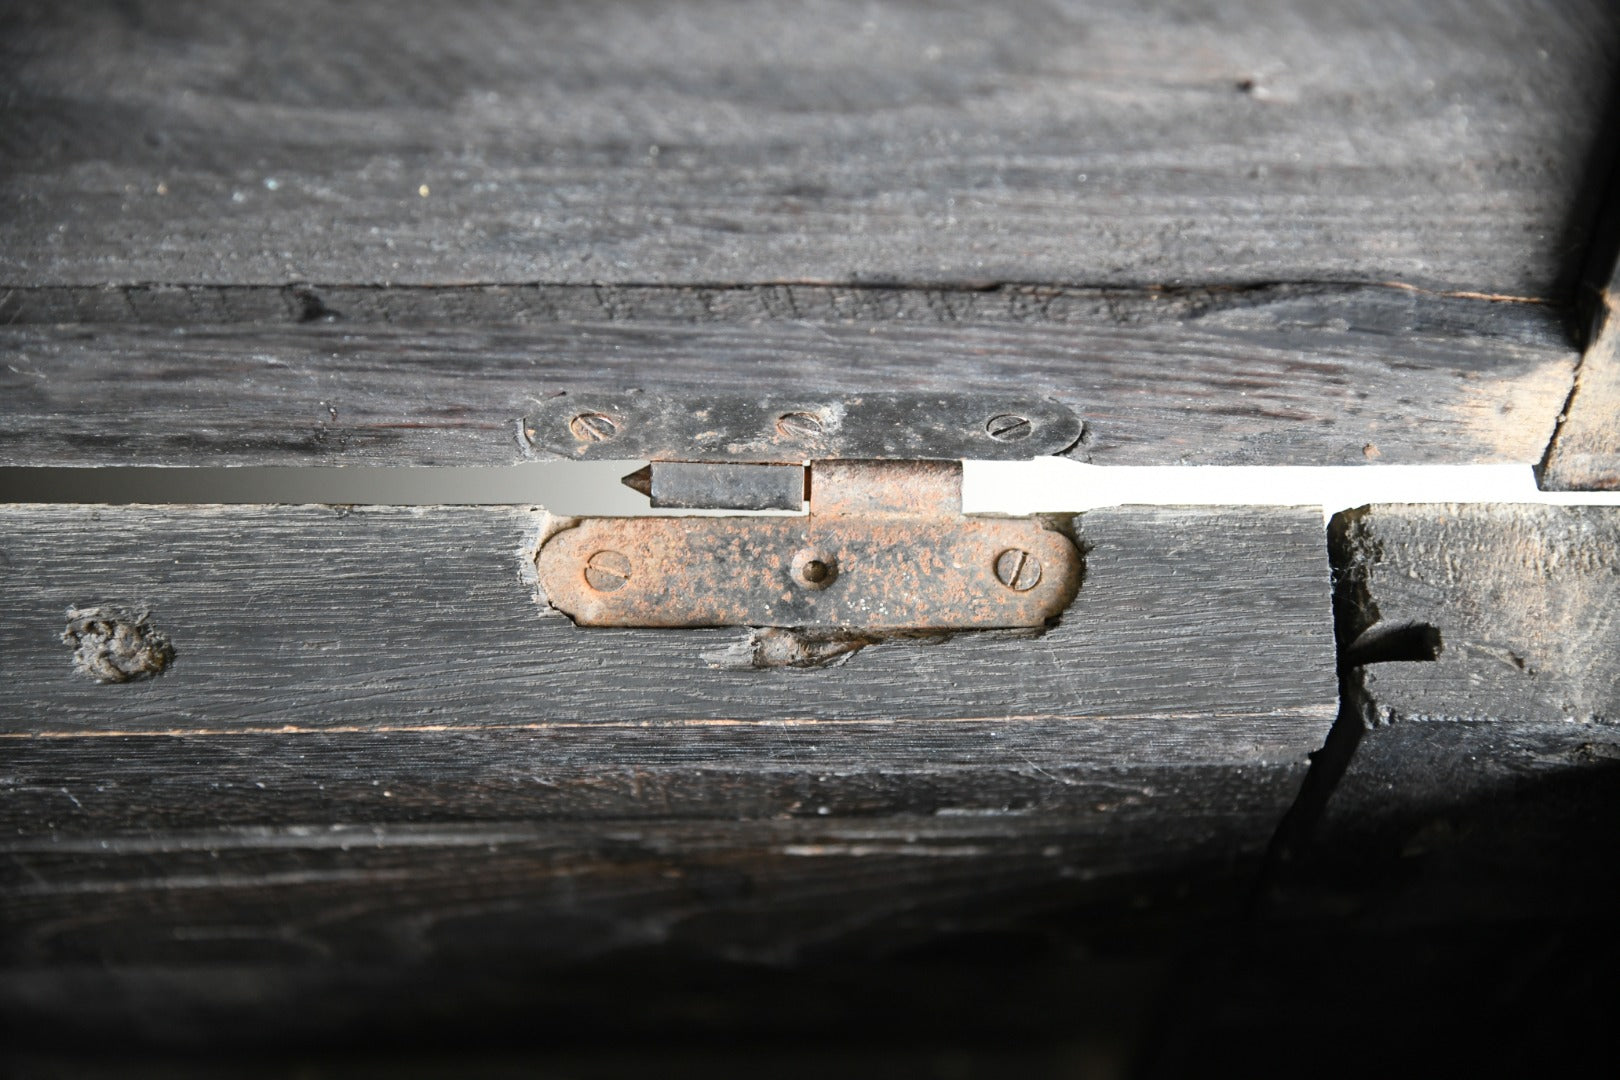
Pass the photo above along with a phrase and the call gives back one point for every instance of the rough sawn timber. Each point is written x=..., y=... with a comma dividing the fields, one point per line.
x=374, y=751
x=1254, y=377
x=1437, y=144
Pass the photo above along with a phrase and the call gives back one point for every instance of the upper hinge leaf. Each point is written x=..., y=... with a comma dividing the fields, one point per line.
x=766, y=429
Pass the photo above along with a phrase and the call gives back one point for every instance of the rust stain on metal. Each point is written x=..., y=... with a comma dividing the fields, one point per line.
x=885, y=546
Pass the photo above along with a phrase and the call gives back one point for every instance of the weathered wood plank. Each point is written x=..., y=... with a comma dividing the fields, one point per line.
x=1438, y=144
x=1525, y=601
x=382, y=618
x=1311, y=378
x=372, y=751
x=557, y=893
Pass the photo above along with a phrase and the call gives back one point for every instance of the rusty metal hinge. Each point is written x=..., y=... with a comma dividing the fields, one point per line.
x=883, y=546
x=793, y=430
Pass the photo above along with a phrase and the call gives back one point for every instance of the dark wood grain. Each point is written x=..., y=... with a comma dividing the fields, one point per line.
x=1437, y=144
x=426, y=619
x=375, y=762
x=1279, y=376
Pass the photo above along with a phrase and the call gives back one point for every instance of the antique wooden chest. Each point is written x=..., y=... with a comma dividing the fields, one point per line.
x=886, y=786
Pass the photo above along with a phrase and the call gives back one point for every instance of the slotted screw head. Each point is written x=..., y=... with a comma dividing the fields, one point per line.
x=1009, y=427
x=1018, y=570
x=798, y=425
x=606, y=571
x=593, y=427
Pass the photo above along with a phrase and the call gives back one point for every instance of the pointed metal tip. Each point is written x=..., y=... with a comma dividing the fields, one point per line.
x=640, y=480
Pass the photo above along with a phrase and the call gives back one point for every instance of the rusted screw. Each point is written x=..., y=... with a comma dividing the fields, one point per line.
x=798, y=425
x=606, y=571
x=1018, y=570
x=1009, y=427
x=593, y=427
x=814, y=570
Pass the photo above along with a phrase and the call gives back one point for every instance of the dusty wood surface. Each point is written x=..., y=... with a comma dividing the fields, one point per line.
x=1586, y=454
x=369, y=748
x=1438, y=144
x=1274, y=376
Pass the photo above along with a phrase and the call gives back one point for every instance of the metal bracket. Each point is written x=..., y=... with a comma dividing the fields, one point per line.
x=885, y=546
x=912, y=427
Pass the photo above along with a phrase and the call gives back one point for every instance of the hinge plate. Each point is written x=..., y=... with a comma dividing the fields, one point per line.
x=871, y=426
x=885, y=546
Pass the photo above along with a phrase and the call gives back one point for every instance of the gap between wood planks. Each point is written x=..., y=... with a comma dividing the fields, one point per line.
x=593, y=489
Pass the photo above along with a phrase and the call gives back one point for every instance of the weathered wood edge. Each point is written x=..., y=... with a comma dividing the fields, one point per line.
x=1477, y=756
x=1584, y=453
x=1282, y=377
x=1492, y=611
x=1387, y=307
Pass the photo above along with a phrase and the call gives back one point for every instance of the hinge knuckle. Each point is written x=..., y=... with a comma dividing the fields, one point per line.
x=883, y=546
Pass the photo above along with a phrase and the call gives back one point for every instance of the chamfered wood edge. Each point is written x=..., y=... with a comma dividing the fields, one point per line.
x=1584, y=453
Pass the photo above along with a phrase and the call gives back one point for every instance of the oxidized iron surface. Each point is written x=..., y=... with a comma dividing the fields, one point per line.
x=720, y=485
x=884, y=547
x=949, y=427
